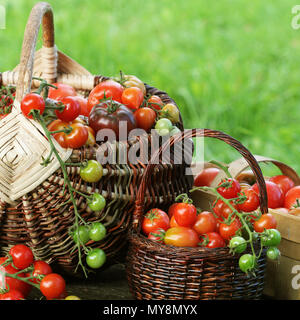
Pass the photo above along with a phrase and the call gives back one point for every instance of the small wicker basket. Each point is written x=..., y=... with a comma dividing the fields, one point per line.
x=31, y=196
x=156, y=271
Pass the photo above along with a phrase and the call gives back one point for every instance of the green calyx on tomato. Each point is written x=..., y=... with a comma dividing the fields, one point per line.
x=97, y=202
x=92, y=171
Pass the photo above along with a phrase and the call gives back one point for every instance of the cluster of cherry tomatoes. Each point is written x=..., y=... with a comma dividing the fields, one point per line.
x=7, y=97
x=21, y=272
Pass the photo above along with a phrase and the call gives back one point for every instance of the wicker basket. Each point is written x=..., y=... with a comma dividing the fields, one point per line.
x=156, y=271
x=31, y=196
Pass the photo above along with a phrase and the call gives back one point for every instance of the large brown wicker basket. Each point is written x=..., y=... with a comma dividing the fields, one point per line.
x=156, y=271
x=31, y=197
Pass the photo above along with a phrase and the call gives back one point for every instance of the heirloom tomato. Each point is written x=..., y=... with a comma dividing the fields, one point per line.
x=181, y=237
x=292, y=198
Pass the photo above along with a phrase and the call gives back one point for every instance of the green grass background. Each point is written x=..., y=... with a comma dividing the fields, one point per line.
x=230, y=65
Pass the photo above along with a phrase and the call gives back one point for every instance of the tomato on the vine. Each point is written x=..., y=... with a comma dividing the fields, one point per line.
x=284, y=182
x=206, y=177
x=271, y=237
x=71, y=110
x=227, y=231
x=185, y=214
x=63, y=90
x=274, y=193
x=95, y=258
x=292, y=198
x=52, y=286
x=205, y=222
x=40, y=268
x=97, y=231
x=155, y=219
x=32, y=101
x=238, y=244
x=97, y=202
x=266, y=221
x=247, y=262
x=231, y=190
x=12, y=294
x=222, y=210
x=132, y=97
x=92, y=171
x=181, y=237
x=22, y=256
x=273, y=253
x=77, y=137
x=108, y=89
x=252, y=201
x=212, y=240
x=83, y=233
x=145, y=118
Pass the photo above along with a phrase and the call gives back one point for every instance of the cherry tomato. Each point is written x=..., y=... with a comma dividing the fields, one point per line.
x=274, y=193
x=247, y=262
x=145, y=118
x=212, y=240
x=157, y=235
x=12, y=283
x=95, y=258
x=171, y=112
x=206, y=177
x=291, y=198
x=83, y=232
x=251, y=203
x=12, y=294
x=185, y=214
x=63, y=90
x=77, y=137
x=163, y=126
x=266, y=221
x=109, y=89
x=230, y=191
x=272, y=237
x=238, y=244
x=97, y=231
x=132, y=97
x=228, y=231
x=273, y=253
x=155, y=102
x=205, y=222
x=32, y=101
x=71, y=110
x=97, y=203
x=181, y=237
x=222, y=210
x=22, y=256
x=52, y=286
x=284, y=182
x=40, y=268
x=91, y=172
x=155, y=219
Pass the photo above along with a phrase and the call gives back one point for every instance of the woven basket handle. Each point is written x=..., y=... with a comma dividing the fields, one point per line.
x=41, y=13
x=192, y=133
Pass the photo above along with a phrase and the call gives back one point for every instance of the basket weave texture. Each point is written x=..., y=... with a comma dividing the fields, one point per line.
x=31, y=197
x=156, y=271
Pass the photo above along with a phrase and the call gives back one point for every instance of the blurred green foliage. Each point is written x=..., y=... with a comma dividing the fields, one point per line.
x=231, y=65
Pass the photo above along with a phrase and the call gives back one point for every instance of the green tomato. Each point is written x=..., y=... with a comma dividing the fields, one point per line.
x=96, y=258
x=92, y=171
x=83, y=232
x=238, y=244
x=171, y=112
x=273, y=253
x=163, y=126
x=174, y=131
x=247, y=262
x=97, y=203
x=97, y=231
x=271, y=238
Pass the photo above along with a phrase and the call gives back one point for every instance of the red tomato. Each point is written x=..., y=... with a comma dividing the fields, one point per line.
x=231, y=191
x=155, y=102
x=284, y=182
x=155, y=219
x=173, y=223
x=205, y=222
x=40, y=268
x=181, y=237
x=171, y=209
x=52, y=286
x=266, y=221
x=78, y=136
x=109, y=89
x=228, y=231
x=63, y=90
x=291, y=197
x=222, y=210
x=145, y=118
x=185, y=214
x=251, y=203
x=157, y=235
x=71, y=110
x=132, y=97
x=206, y=177
x=12, y=283
x=275, y=194
x=32, y=101
x=212, y=240
x=22, y=256
x=12, y=294
x=83, y=105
